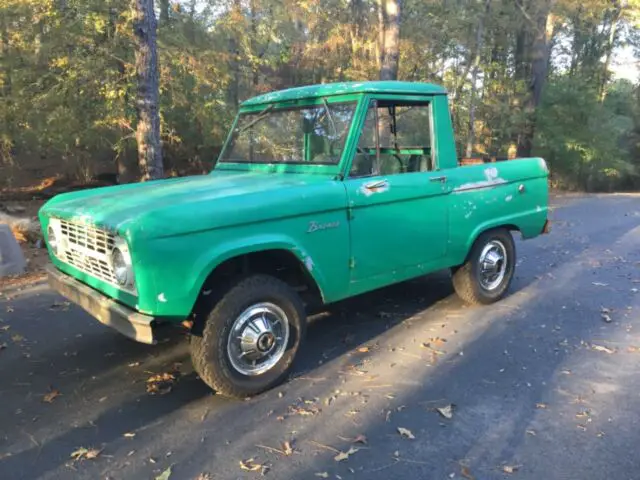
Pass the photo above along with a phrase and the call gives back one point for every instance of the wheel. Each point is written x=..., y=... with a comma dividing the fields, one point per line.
x=488, y=271
x=250, y=337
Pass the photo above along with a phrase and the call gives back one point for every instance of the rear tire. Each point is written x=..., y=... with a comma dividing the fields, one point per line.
x=250, y=337
x=488, y=271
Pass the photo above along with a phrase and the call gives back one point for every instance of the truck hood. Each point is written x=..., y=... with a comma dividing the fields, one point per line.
x=180, y=205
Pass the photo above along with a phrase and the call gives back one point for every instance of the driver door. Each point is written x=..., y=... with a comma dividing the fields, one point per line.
x=397, y=203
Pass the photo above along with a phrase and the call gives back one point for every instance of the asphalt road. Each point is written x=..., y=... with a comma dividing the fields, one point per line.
x=542, y=385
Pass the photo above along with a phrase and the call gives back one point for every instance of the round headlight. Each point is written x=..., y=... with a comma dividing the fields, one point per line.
x=120, y=266
x=53, y=241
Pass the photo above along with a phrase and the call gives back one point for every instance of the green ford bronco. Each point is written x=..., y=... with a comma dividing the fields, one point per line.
x=320, y=193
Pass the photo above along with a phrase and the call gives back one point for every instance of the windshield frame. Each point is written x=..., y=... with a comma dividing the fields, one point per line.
x=300, y=166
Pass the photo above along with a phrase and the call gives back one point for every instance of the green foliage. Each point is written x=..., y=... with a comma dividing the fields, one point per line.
x=67, y=82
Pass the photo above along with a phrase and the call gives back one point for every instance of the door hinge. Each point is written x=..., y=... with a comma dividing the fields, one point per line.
x=349, y=212
x=352, y=263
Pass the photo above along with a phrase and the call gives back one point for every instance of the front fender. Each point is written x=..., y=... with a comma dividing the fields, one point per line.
x=183, y=263
x=258, y=243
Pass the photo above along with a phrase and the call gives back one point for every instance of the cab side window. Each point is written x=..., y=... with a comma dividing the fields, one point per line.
x=395, y=139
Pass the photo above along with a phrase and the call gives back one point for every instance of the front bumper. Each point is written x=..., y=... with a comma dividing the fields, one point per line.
x=107, y=311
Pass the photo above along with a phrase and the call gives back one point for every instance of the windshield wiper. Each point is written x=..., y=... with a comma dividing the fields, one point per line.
x=264, y=113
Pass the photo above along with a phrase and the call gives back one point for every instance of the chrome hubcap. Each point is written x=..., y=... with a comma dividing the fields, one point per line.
x=492, y=265
x=258, y=339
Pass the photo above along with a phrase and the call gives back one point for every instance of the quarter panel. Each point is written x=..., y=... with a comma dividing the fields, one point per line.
x=496, y=194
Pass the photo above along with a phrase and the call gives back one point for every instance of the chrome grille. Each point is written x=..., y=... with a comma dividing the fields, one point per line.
x=93, y=266
x=87, y=237
x=87, y=248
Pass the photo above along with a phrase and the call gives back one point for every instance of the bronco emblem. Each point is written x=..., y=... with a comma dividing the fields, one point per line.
x=315, y=226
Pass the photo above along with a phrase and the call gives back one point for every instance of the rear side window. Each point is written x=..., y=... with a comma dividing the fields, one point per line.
x=395, y=139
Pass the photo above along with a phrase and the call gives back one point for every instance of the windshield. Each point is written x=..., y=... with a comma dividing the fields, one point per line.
x=306, y=135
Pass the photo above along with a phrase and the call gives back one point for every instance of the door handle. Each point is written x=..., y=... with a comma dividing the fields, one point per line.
x=440, y=179
x=377, y=185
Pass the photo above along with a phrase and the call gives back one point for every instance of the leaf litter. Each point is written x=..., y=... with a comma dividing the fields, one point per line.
x=446, y=411
x=51, y=395
x=83, y=453
x=165, y=475
x=511, y=468
x=406, y=433
x=250, y=465
x=341, y=456
x=602, y=348
x=162, y=383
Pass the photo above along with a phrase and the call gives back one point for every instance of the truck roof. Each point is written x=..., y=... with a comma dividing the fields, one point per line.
x=341, y=88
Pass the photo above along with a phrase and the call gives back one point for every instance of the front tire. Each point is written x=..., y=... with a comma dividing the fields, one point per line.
x=488, y=271
x=250, y=337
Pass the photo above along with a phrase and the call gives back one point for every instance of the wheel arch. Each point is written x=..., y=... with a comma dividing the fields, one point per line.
x=481, y=230
x=282, y=259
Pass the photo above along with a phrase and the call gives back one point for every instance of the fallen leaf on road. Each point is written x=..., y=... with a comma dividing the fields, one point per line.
x=250, y=465
x=85, y=453
x=446, y=411
x=51, y=395
x=129, y=435
x=160, y=384
x=600, y=284
x=406, y=433
x=541, y=405
x=322, y=475
x=532, y=432
x=466, y=473
x=634, y=290
x=345, y=455
x=3, y=346
x=5, y=327
x=204, y=476
x=164, y=475
x=606, y=317
x=360, y=439
x=510, y=468
x=363, y=349
x=287, y=448
x=9, y=309
x=582, y=427
x=602, y=348
x=630, y=349
x=17, y=338
x=583, y=414
x=303, y=411
x=431, y=349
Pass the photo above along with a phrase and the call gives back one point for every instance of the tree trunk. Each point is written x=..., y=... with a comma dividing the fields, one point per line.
x=234, y=54
x=148, y=129
x=520, y=54
x=539, y=54
x=381, y=28
x=164, y=12
x=576, y=44
x=474, y=78
x=613, y=31
x=390, y=49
